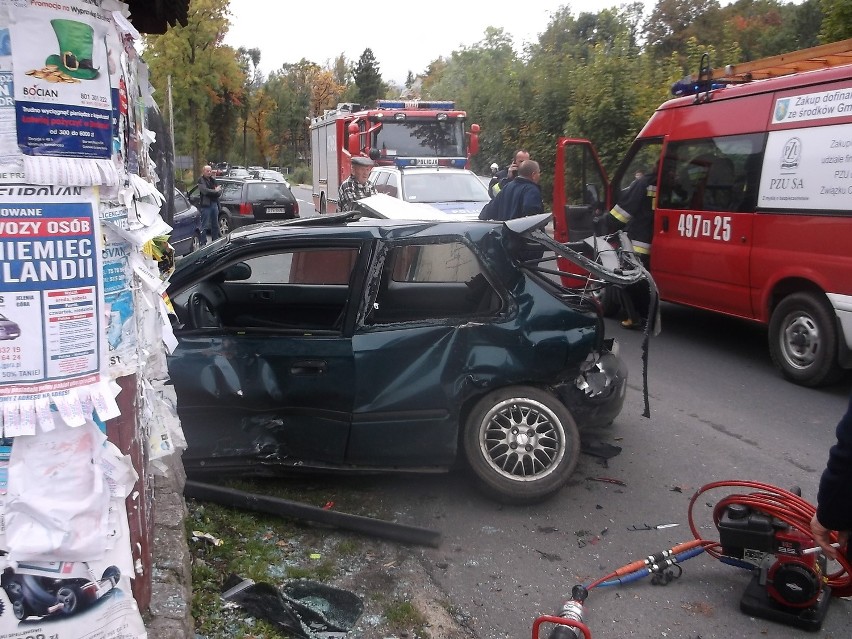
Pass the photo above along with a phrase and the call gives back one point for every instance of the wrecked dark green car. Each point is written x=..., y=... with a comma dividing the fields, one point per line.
x=337, y=343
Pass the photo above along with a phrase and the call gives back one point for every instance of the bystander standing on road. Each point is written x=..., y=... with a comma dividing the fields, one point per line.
x=209, y=192
x=357, y=185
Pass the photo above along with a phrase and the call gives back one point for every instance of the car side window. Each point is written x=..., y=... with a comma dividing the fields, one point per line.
x=436, y=281
x=181, y=203
x=392, y=187
x=232, y=191
x=289, y=290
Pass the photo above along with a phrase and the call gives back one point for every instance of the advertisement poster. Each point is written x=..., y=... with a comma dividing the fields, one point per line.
x=51, y=331
x=63, y=495
x=809, y=169
x=118, y=294
x=61, y=81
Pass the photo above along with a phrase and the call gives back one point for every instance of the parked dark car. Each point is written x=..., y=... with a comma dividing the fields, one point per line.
x=8, y=328
x=186, y=226
x=249, y=201
x=381, y=345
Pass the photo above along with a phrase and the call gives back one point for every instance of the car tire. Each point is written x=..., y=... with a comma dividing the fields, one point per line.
x=224, y=224
x=20, y=609
x=521, y=443
x=195, y=243
x=67, y=596
x=803, y=339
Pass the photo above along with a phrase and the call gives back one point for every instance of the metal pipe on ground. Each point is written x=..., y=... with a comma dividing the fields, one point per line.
x=285, y=508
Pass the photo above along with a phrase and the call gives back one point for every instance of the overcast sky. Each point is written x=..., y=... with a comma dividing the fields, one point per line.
x=403, y=35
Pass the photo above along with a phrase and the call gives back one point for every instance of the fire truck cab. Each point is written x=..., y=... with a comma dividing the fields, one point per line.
x=401, y=133
x=753, y=211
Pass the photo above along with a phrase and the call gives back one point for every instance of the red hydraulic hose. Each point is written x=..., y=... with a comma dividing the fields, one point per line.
x=782, y=505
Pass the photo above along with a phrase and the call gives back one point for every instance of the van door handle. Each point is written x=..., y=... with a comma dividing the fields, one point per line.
x=309, y=367
x=665, y=224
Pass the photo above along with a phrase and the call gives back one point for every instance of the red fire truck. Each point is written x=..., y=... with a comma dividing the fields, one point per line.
x=753, y=212
x=405, y=133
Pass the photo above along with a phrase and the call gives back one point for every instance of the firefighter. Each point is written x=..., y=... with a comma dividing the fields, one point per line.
x=634, y=212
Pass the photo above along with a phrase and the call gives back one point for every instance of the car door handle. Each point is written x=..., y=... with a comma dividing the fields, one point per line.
x=263, y=295
x=665, y=223
x=309, y=367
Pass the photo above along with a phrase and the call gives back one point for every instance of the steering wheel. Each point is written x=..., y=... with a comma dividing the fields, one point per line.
x=202, y=312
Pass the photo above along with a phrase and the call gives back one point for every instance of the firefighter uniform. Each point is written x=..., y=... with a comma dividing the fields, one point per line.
x=634, y=213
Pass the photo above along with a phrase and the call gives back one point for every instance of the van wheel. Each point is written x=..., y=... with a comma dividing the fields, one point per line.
x=322, y=204
x=521, y=443
x=803, y=339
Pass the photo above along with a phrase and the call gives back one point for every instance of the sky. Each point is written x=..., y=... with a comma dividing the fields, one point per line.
x=403, y=36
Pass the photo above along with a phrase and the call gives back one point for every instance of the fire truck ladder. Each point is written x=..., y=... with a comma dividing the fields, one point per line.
x=821, y=57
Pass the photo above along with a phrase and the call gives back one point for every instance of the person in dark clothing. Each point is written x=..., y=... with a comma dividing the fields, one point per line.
x=834, y=499
x=520, y=197
x=634, y=212
x=209, y=192
x=502, y=178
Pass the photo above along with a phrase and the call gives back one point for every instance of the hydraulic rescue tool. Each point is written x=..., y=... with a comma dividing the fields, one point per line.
x=766, y=532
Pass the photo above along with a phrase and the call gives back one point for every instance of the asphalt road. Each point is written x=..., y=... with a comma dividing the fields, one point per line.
x=719, y=411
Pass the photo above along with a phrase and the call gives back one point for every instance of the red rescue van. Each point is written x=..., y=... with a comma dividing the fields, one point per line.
x=753, y=215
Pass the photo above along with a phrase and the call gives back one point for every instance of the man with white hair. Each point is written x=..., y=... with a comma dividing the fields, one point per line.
x=357, y=185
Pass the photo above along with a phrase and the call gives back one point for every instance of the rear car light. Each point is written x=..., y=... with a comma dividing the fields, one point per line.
x=296, y=208
x=246, y=208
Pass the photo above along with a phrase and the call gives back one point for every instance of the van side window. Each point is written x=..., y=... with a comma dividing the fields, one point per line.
x=713, y=174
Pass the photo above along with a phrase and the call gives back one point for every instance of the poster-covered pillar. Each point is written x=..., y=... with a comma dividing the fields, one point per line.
x=82, y=323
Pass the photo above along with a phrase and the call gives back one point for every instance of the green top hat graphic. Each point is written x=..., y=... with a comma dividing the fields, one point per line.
x=75, y=46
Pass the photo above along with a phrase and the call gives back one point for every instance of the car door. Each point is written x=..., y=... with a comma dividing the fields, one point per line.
x=412, y=352
x=704, y=222
x=252, y=392
x=186, y=224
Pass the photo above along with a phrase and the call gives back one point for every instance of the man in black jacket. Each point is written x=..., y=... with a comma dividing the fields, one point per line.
x=834, y=499
x=520, y=198
x=209, y=192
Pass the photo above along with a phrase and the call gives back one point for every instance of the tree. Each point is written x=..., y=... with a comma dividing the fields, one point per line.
x=367, y=78
x=837, y=24
x=249, y=60
x=203, y=72
x=409, y=80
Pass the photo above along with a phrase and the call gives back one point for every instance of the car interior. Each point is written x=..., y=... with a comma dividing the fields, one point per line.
x=307, y=290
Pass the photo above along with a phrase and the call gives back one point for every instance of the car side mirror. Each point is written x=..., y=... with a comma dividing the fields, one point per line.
x=236, y=272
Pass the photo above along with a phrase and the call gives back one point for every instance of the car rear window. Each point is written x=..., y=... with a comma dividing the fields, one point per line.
x=267, y=191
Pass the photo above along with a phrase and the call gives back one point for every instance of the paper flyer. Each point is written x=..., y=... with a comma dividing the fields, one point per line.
x=50, y=290
x=63, y=101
